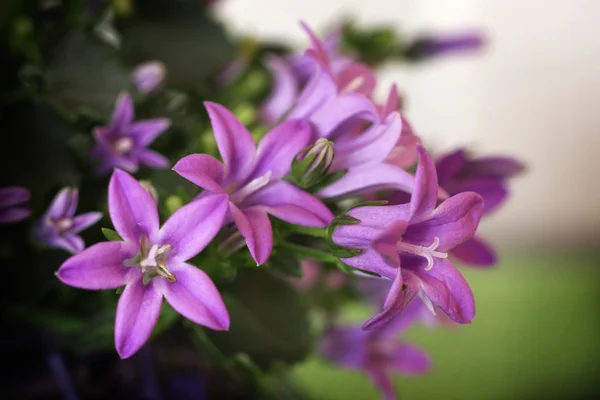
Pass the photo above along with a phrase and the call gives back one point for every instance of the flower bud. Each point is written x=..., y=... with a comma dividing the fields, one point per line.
x=312, y=163
x=149, y=76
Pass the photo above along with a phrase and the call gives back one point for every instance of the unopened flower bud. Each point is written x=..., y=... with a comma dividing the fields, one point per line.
x=149, y=76
x=312, y=164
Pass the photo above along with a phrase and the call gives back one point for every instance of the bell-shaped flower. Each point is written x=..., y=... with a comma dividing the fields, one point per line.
x=409, y=243
x=59, y=227
x=123, y=143
x=487, y=176
x=13, y=204
x=151, y=262
x=251, y=178
x=378, y=352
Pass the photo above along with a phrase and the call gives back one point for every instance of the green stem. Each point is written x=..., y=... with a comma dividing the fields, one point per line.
x=311, y=253
x=306, y=230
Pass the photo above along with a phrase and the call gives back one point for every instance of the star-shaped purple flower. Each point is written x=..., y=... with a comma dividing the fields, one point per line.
x=487, y=176
x=377, y=352
x=13, y=204
x=409, y=243
x=251, y=178
x=59, y=227
x=151, y=262
x=123, y=143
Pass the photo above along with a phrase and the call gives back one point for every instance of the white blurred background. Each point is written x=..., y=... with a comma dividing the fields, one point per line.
x=534, y=92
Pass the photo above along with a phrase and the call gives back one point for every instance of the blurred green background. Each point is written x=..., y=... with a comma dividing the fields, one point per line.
x=536, y=335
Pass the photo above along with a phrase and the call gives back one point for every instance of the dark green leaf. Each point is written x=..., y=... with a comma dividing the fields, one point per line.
x=269, y=320
x=111, y=235
x=84, y=75
x=181, y=35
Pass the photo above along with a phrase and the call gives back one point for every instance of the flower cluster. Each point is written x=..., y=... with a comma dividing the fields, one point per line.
x=329, y=144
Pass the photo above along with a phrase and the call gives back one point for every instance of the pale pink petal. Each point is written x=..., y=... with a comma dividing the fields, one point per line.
x=283, y=93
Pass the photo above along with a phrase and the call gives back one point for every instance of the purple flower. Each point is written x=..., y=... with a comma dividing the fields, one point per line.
x=150, y=262
x=377, y=352
x=409, y=244
x=487, y=176
x=149, y=76
x=122, y=144
x=251, y=178
x=338, y=106
x=13, y=204
x=59, y=227
x=429, y=46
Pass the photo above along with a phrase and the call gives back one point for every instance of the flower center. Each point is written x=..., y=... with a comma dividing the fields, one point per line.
x=251, y=187
x=123, y=145
x=151, y=261
x=63, y=224
x=427, y=252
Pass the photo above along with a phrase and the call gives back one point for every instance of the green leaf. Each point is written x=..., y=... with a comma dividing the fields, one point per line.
x=111, y=235
x=284, y=261
x=84, y=76
x=181, y=35
x=269, y=320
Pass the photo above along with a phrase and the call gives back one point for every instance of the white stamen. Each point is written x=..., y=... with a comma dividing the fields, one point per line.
x=64, y=224
x=427, y=252
x=353, y=85
x=251, y=187
x=123, y=145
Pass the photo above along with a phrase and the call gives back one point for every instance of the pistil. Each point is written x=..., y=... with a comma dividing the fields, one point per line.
x=427, y=252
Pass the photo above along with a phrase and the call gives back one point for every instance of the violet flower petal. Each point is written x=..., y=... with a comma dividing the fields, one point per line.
x=202, y=170
x=493, y=191
x=98, y=267
x=369, y=179
x=253, y=223
x=64, y=204
x=338, y=109
x=13, y=214
x=14, y=195
x=409, y=359
x=132, y=209
x=404, y=288
x=137, y=312
x=284, y=91
x=233, y=140
x=317, y=91
x=123, y=112
x=381, y=380
x=285, y=201
x=278, y=148
x=370, y=147
x=195, y=296
x=144, y=132
x=475, y=252
x=152, y=159
x=425, y=192
x=392, y=103
x=445, y=286
x=496, y=167
x=71, y=243
x=453, y=222
x=450, y=165
x=84, y=221
x=193, y=226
